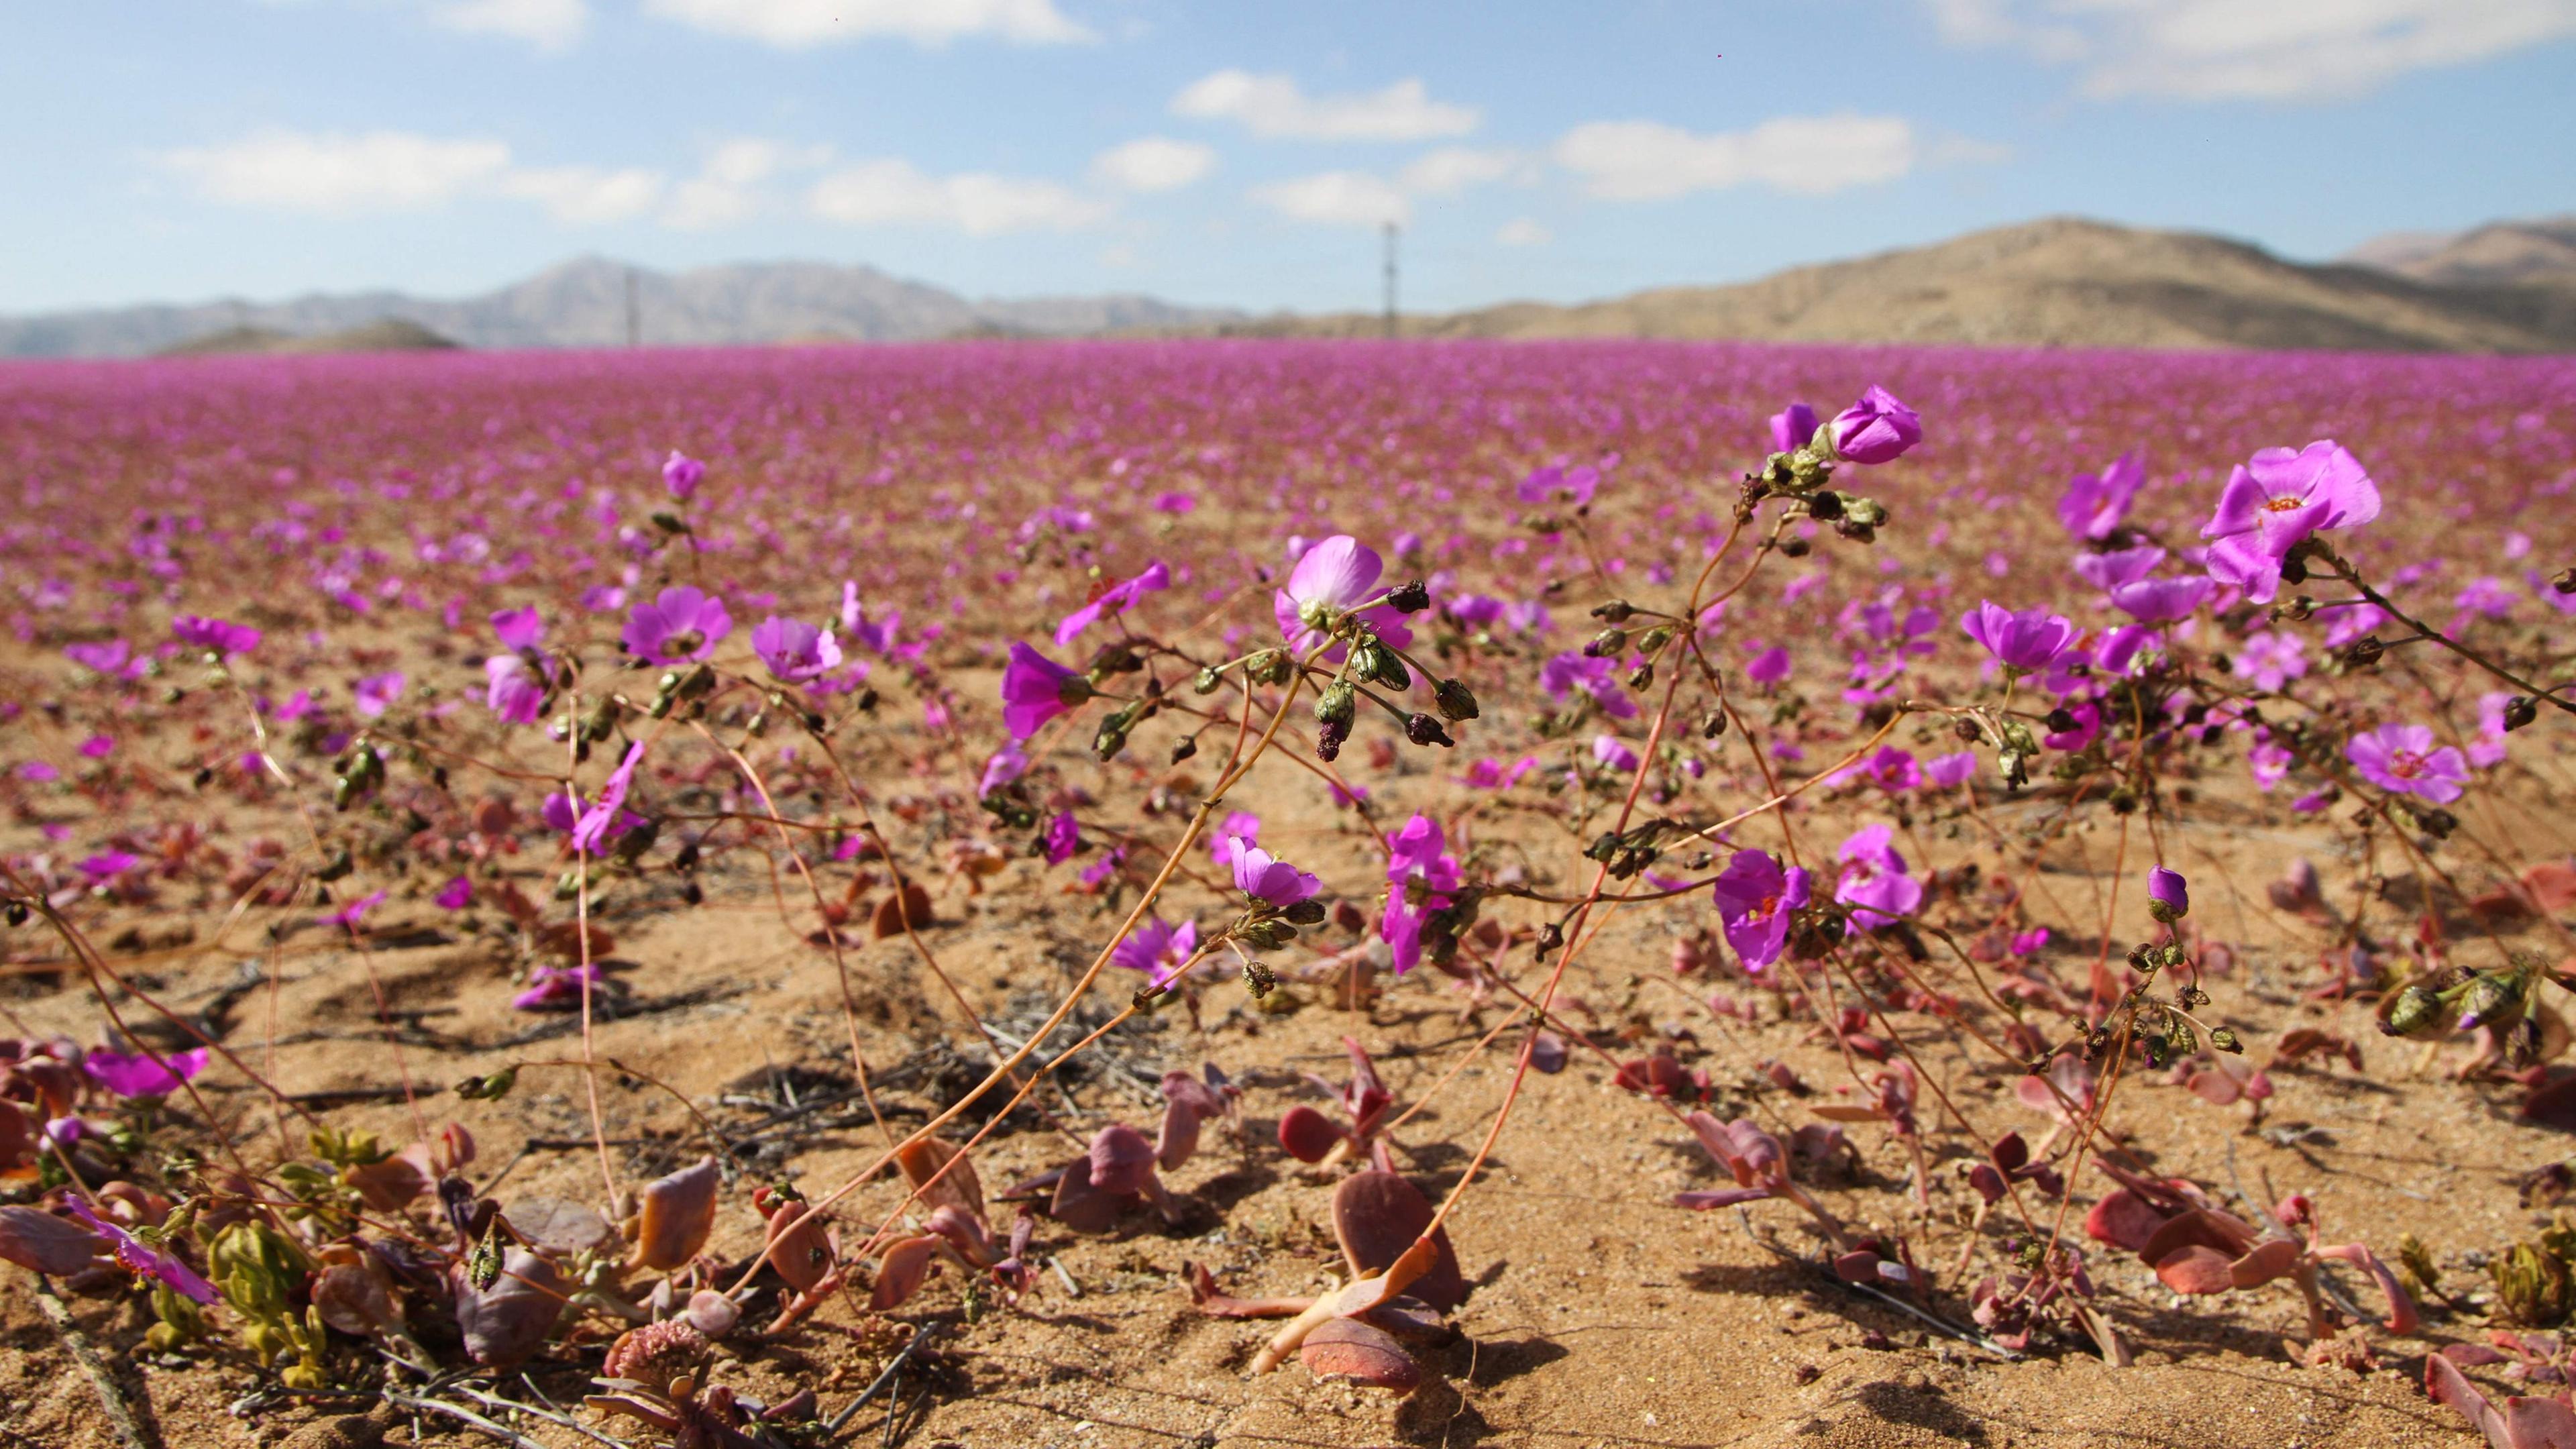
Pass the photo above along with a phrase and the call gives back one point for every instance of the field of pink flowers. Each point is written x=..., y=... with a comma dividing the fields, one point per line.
x=1625, y=892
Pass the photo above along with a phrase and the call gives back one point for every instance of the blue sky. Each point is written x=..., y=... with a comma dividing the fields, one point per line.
x=1239, y=153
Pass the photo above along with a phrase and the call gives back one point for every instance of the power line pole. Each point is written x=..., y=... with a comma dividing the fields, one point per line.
x=1390, y=281
x=634, y=313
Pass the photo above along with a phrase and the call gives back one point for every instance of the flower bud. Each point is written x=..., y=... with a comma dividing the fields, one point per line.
x=2417, y=1009
x=2565, y=581
x=1825, y=503
x=1308, y=912
x=1204, y=682
x=1614, y=612
x=1259, y=979
x=2223, y=1039
x=1712, y=724
x=1422, y=729
x=1329, y=739
x=1606, y=643
x=1454, y=700
x=1793, y=547
x=2168, y=895
x=1336, y=706
x=1409, y=598
x=2364, y=652
x=2519, y=711
x=2491, y=1001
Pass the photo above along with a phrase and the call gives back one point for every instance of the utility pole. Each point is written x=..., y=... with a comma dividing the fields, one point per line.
x=634, y=313
x=1390, y=282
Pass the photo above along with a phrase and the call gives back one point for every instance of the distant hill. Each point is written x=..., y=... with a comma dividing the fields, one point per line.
x=583, y=304
x=2503, y=251
x=2064, y=281
x=2059, y=282
x=385, y=334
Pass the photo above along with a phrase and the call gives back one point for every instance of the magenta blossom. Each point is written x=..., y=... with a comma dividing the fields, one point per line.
x=682, y=474
x=607, y=816
x=2095, y=505
x=1792, y=428
x=1267, y=878
x=376, y=693
x=682, y=624
x=1949, y=772
x=519, y=628
x=215, y=636
x=1036, y=689
x=1893, y=769
x=142, y=1259
x=796, y=652
x=134, y=1074
x=2108, y=571
x=2088, y=728
x=555, y=988
x=1574, y=485
x=877, y=637
x=1768, y=666
x=513, y=690
x=2161, y=601
x=1333, y=578
x=1876, y=429
x=1240, y=827
x=1008, y=763
x=1755, y=897
x=2271, y=658
x=2278, y=498
x=2401, y=757
x=456, y=895
x=1614, y=755
x=1564, y=673
x=1113, y=600
x=2025, y=640
x=1063, y=838
x=1419, y=875
x=112, y=657
x=2168, y=894
x=1158, y=948
x=1874, y=883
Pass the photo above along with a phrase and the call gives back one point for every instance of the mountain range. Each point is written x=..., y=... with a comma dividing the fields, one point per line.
x=2061, y=281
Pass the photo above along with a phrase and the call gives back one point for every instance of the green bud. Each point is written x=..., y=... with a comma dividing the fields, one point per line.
x=2416, y=1010
x=1337, y=705
x=1204, y=682
x=1454, y=700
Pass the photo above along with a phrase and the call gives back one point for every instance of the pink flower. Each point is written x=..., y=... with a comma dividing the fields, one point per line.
x=1007, y=764
x=1063, y=838
x=682, y=475
x=1793, y=428
x=1419, y=874
x=2088, y=727
x=2402, y=758
x=555, y=988
x=138, y=1075
x=376, y=693
x=456, y=895
x=1334, y=577
x=1876, y=429
x=2161, y=601
x=1036, y=689
x=682, y=624
x=1555, y=481
x=607, y=816
x=1158, y=949
x=1112, y=600
x=142, y=1259
x=1951, y=771
x=2027, y=640
x=1754, y=899
x=2095, y=505
x=1893, y=769
x=2107, y=571
x=512, y=689
x=794, y=651
x=1610, y=752
x=1768, y=666
x=1266, y=878
x=215, y=636
x=354, y=914
x=2278, y=497
x=1874, y=883
x=2271, y=659
x=519, y=628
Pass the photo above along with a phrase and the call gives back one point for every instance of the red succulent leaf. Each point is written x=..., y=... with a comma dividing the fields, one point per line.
x=2196, y=1268
x=1081, y=1206
x=42, y=1243
x=1363, y=1353
x=2124, y=1220
x=956, y=1185
x=1122, y=1161
x=1307, y=1134
x=1376, y=1217
x=905, y=1267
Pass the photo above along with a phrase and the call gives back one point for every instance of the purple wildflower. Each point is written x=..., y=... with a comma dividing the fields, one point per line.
x=1008, y=763
x=1240, y=827
x=1754, y=899
x=2107, y=571
x=513, y=690
x=1158, y=948
x=456, y=895
x=1768, y=666
x=1793, y=427
x=1874, y=883
x=1267, y=878
x=682, y=474
x=1113, y=600
x=1333, y=577
x=2168, y=894
x=2278, y=497
x=1036, y=689
x=554, y=988
x=215, y=636
x=1876, y=429
x=1063, y=838
x=796, y=652
x=2271, y=658
x=144, y=1260
x=1564, y=673
x=376, y=693
x=2161, y=601
x=519, y=628
x=1949, y=772
x=2401, y=757
x=2024, y=640
x=1552, y=481
x=607, y=815
x=1616, y=756
x=1419, y=873
x=134, y=1074
x=682, y=624
x=2095, y=504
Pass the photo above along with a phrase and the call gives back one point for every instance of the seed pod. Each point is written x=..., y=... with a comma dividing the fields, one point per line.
x=1454, y=700
x=2519, y=711
x=1712, y=724
x=2223, y=1039
x=1259, y=980
x=1825, y=504
x=1411, y=597
x=1204, y=682
x=1308, y=912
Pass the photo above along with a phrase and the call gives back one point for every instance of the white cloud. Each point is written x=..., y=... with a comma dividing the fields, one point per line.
x=547, y=24
x=893, y=191
x=1810, y=155
x=728, y=190
x=796, y=24
x=1336, y=198
x=587, y=195
x=1272, y=105
x=1153, y=163
x=339, y=175
x=2272, y=50
x=1453, y=169
x=1524, y=232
